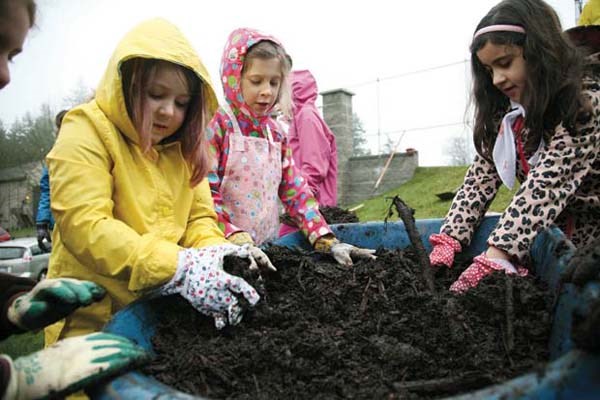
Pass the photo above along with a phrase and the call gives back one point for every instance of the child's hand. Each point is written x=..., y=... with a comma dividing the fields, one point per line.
x=342, y=252
x=70, y=365
x=201, y=280
x=444, y=249
x=51, y=300
x=481, y=267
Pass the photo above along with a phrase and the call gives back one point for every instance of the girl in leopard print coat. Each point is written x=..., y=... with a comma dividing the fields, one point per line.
x=537, y=119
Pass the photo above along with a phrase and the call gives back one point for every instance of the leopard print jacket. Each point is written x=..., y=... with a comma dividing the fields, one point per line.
x=562, y=188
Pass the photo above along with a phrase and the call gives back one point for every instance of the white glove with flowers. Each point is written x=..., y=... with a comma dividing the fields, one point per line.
x=51, y=300
x=70, y=365
x=258, y=258
x=342, y=252
x=201, y=280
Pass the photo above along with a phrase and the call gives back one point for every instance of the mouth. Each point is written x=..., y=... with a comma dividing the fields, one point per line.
x=510, y=91
x=160, y=127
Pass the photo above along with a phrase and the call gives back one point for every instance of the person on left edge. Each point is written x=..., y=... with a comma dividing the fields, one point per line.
x=44, y=221
x=26, y=305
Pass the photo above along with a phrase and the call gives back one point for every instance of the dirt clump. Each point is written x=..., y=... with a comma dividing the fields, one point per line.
x=373, y=331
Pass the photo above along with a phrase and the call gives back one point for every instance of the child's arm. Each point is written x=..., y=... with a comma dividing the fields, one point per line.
x=298, y=200
x=550, y=184
x=202, y=229
x=472, y=200
x=218, y=145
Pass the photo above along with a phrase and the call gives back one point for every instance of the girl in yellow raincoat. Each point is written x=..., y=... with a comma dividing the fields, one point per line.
x=128, y=189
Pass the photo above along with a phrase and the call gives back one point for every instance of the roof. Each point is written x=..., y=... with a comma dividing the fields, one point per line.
x=20, y=242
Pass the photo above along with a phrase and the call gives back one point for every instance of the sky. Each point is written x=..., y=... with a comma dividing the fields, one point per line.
x=405, y=61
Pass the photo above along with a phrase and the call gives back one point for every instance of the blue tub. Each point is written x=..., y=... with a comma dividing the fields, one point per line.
x=569, y=374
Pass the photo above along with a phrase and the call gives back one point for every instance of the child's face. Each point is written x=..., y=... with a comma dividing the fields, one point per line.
x=13, y=30
x=261, y=82
x=166, y=100
x=507, y=68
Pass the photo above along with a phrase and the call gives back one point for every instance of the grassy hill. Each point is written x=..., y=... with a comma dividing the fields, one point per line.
x=419, y=194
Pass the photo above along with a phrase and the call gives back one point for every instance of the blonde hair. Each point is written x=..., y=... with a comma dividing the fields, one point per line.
x=267, y=50
x=136, y=73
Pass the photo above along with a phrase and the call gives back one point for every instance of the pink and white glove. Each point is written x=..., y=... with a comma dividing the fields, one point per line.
x=444, y=248
x=201, y=280
x=482, y=267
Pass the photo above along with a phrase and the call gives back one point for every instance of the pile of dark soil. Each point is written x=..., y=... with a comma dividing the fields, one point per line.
x=333, y=215
x=373, y=331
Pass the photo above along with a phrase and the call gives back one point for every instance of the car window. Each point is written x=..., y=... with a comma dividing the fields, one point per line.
x=35, y=250
x=9, y=253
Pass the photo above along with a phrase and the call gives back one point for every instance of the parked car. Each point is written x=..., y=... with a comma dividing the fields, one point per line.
x=4, y=235
x=23, y=257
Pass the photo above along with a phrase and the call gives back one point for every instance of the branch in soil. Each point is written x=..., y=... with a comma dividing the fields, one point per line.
x=406, y=214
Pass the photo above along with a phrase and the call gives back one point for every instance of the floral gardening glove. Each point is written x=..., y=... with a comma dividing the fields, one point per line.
x=480, y=268
x=51, y=300
x=70, y=365
x=201, y=280
x=258, y=258
x=444, y=248
x=342, y=252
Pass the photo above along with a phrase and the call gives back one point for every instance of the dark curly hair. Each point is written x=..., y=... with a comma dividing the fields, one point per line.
x=553, y=66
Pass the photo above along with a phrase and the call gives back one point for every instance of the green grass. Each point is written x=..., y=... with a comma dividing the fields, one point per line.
x=419, y=194
x=20, y=345
x=23, y=232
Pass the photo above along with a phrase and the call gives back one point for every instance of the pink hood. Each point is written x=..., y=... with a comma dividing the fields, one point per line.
x=232, y=62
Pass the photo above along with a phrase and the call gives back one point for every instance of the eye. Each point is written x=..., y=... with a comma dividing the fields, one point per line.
x=13, y=54
x=275, y=83
x=155, y=95
x=182, y=104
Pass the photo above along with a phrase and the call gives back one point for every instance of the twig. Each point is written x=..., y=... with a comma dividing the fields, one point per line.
x=363, y=302
x=510, y=333
x=382, y=290
x=445, y=385
x=299, y=275
x=406, y=214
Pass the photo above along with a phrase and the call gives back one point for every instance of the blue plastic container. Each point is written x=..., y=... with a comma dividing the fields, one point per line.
x=569, y=374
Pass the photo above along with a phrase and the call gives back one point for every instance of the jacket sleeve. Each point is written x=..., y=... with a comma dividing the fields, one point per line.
x=218, y=144
x=298, y=200
x=82, y=202
x=10, y=288
x=202, y=229
x=472, y=200
x=43, y=211
x=314, y=150
x=558, y=174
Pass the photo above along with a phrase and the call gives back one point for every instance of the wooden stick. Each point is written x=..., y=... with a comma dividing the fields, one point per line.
x=406, y=214
x=445, y=385
x=510, y=333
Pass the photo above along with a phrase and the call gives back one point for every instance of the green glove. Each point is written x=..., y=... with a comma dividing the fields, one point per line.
x=51, y=300
x=70, y=365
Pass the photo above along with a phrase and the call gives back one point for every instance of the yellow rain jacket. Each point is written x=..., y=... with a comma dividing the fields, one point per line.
x=123, y=216
x=590, y=14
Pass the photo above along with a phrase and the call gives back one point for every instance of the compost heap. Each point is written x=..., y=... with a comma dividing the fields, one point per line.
x=367, y=332
x=332, y=214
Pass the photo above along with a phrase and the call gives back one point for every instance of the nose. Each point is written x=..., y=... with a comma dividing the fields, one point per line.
x=498, y=78
x=166, y=109
x=266, y=90
x=4, y=73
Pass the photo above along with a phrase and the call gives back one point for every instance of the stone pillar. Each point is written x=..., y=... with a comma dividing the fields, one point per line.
x=337, y=113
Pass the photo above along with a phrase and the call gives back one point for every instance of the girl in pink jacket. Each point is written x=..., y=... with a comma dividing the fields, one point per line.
x=312, y=142
x=253, y=166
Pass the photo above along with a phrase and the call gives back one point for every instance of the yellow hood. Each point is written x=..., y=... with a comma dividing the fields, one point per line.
x=150, y=39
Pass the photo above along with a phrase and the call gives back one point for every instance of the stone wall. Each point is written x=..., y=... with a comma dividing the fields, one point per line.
x=19, y=195
x=357, y=176
x=365, y=171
